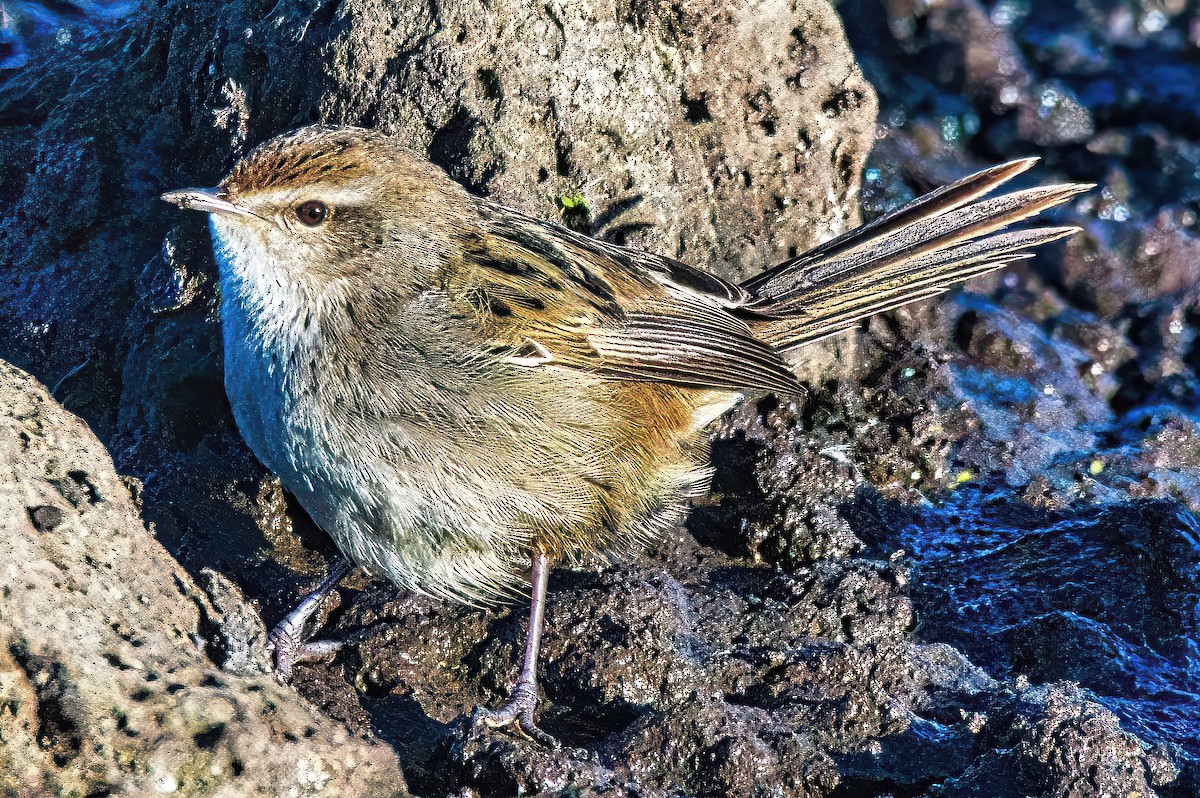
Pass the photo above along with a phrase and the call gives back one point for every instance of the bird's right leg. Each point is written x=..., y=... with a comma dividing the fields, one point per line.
x=286, y=641
x=523, y=700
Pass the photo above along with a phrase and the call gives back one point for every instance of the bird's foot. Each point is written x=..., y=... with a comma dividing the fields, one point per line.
x=286, y=643
x=519, y=712
x=287, y=648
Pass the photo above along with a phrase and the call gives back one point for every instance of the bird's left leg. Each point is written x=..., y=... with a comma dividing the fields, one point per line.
x=524, y=697
x=286, y=641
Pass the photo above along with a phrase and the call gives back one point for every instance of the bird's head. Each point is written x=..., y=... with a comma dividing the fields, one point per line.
x=327, y=203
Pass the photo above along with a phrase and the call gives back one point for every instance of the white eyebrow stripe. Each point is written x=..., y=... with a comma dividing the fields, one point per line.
x=348, y=194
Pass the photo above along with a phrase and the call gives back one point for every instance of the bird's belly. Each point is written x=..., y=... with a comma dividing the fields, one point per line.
x=437, y=522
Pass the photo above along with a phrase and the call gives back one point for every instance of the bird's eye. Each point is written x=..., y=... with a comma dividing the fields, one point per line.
x=312, y=213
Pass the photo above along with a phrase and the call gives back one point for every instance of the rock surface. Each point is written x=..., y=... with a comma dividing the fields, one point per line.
x=964, y=565
x=105, y=688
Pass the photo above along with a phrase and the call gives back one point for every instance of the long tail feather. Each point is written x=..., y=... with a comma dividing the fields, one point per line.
x=939, y=201
x=913, y=253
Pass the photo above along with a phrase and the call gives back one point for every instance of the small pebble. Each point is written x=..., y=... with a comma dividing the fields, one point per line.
x=45, y=517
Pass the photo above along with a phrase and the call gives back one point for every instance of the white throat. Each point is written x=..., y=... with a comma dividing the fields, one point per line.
x=265, y=301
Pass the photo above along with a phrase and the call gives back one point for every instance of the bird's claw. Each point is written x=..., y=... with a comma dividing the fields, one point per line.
x=517, y=712
x=285, y=643
x=286, y=649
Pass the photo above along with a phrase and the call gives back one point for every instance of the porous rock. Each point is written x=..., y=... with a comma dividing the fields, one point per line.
x=105, y=687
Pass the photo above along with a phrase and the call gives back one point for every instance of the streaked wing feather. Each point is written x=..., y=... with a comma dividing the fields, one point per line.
x=677, y=275
x=689, y=351
x=630, y=316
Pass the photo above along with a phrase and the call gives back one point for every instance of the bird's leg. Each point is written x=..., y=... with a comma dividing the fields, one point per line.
x=286, y=640
x=524, y=697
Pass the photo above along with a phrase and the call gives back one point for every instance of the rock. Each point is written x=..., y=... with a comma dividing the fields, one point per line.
x=975, y=555
x=807, y=635
x=735, y=141
x=1055, y=117
x=1069, y=735
x=104, y=684
x=30, y=28
x=234, y=633
x=1068, y=389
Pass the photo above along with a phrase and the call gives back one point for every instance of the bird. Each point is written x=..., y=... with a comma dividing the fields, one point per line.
x=464, y=396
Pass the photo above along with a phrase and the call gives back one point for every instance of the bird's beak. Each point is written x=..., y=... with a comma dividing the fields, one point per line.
x=209, y=200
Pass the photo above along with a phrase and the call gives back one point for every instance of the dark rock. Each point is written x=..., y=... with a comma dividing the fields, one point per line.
x=46, y=517
x=1078, y=376
x=1047, y=751
x=1121, y=621
x=1054, y=117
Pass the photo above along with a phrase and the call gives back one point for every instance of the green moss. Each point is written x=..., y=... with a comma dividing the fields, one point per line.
x=574, y=210
x=572, y=201
x=195, y=777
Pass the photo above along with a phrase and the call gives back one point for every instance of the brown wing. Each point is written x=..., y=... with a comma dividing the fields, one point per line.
x=548, y=296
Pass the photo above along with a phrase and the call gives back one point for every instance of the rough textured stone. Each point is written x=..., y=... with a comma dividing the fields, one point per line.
x=722, y=133
x=105, y=688
x=1069, y=388
x=958, y=508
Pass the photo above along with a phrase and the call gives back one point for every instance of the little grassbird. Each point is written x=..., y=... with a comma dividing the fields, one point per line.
x=462, y=395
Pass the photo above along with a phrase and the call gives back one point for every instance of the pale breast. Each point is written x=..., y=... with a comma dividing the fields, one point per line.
x=433, y=477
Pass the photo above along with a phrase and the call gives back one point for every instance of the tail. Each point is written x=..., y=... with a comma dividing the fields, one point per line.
x=915, y=252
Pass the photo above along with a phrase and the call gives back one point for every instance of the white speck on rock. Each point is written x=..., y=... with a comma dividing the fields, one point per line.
x=311, y=772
